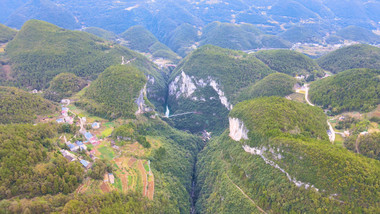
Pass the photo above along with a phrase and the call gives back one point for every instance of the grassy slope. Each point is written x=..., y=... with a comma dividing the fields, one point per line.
x=351, y=90
x=354, y=56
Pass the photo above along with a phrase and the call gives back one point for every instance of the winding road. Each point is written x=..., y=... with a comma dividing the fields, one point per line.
x=332, y=135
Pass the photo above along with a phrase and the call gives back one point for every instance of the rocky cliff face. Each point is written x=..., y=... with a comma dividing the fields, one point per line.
x=237, y=129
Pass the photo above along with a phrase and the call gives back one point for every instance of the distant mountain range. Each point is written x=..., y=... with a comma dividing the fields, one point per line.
x=292, y=20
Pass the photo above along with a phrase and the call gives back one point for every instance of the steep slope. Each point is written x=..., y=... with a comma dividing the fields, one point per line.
x=40, y=51
x=289, y=62
x=205, y=84
x=63, y=86
x=276, y=158
x=276, y=84
x=115, y=92
x=6, y=33
x=18, y=106
x=354, y=56
x=43, y=10
x=351, y=90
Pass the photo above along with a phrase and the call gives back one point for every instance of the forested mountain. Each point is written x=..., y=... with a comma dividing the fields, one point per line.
x=140, y=39
x=354, y=56
x=367, y=145
x=63, y=86
x=43, y=10
x=359, y=34
x=189, y=106
x=290, y=62
x=114, y=92
x=239, y=37
x=278, y=164
x=276, y=84
x=31, y=164
x=6, y=33
x=99, y=32
x=40, y=51
x=351, y=90
x=18, y=106
x=305, y=21
x=206, y=83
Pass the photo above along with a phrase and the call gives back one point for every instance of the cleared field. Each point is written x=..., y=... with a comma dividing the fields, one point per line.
x=106, y=152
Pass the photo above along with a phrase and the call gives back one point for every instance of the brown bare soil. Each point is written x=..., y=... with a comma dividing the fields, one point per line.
x=131, y=162
x=105, y=187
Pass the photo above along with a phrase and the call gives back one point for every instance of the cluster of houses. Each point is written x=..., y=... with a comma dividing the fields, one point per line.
x=71, y=157
x=65, y=118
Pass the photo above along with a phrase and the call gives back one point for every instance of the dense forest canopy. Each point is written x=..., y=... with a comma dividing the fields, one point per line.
x=275, y=116
x=351, y=90
x=40, y=51
x=354, y=56
x=289, y=62
x=63, y=86
x=282, y=174
x=217, y=74
x=115, y=91
x=18, y=106
x=276, y=84
x=31, y=164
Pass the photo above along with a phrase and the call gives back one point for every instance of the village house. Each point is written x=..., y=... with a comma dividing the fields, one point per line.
x=95, y=125
x=73, y=147
x=111, y=178
x=70, y=157
x=85, y=163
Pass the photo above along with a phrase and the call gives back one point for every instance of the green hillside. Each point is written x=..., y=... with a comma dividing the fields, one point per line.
x=6, y=33
x=359, y=34
x=113, y=94
x=276, y=84
x=64, y=85
x=289, y=62
x=351, y=90
x=368, y=145
x=99, y=32
x=45, y=10
x=354, y=56
x=292, y=167
x=31, y=165
x=239, y=37
x=182, y=39
x=207, y=82
x=40, y=51
x=18, y=106
x=140, y=39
